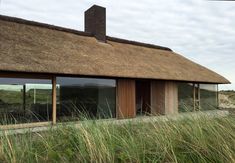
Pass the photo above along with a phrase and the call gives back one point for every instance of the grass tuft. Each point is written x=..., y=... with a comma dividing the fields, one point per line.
x=187, y=140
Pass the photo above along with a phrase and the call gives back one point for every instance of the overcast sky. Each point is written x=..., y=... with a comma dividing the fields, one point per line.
x=203, y=31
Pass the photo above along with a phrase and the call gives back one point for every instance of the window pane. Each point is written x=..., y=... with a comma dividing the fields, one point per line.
x=185, y=95
x=208, y=96
x=25, y=100
x=142, y=97
x=85, y=97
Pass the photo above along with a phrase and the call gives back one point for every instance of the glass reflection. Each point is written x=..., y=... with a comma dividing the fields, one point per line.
x=85, y=98
x=193, y=97
x=25, y=100
x=185, y=96
x=208, y=96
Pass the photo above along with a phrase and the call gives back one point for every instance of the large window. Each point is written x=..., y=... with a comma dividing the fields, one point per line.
x=208, y=96
x=193, y=97
x=186, y=97
x=85, y=98
x=24, y=100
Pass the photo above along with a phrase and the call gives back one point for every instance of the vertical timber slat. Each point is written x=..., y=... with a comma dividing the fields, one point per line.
x=194, y=98
x=199, y=97
x=54, y=100
x=24, y=98
x=217, y=97
x=164, y=97
x=126, y=98
x=157, y=97
x=171, y=98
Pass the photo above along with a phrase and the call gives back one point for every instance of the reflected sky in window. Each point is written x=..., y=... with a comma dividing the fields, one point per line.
x=65, y=81
x=15, y=84
x=22, y=81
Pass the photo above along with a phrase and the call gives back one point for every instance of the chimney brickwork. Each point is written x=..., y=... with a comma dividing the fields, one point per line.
x=95, y=22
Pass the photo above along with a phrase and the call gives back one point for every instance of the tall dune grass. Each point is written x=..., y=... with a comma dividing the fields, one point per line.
x=187, y=140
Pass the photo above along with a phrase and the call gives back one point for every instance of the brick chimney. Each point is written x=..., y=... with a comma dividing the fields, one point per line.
x=95, y=22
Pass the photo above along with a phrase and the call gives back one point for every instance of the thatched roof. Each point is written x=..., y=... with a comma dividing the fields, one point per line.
x=27, y=46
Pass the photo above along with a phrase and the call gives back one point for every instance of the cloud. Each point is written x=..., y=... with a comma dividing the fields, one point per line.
x=200, y=30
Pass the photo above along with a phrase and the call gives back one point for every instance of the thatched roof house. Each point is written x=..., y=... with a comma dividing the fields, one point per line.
x=35, y=50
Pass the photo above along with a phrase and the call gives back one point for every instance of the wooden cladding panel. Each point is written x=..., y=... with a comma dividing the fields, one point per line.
x=54, y=100
x=157, y=97
x=164, y=97
x=126, y=107
x=171, y=96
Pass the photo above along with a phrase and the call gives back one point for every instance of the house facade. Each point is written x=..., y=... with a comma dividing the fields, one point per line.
x=50, y=74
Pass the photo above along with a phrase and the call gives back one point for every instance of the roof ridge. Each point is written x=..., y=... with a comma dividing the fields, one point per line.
x=120, y=40
x=44, y=25
x=82, y=33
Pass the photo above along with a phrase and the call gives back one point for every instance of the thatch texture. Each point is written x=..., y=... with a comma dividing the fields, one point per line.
x=28, y=47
